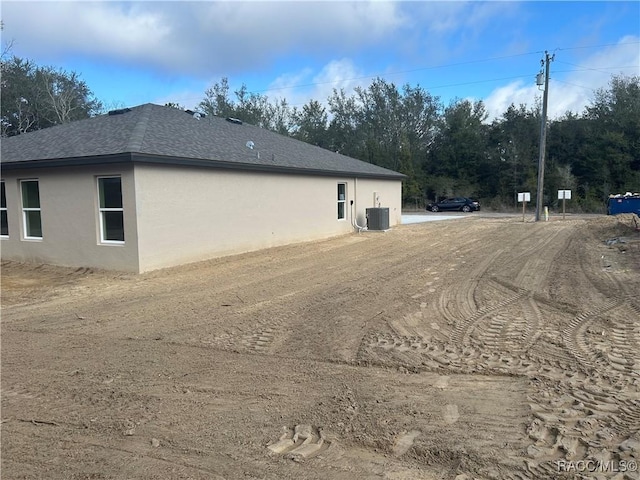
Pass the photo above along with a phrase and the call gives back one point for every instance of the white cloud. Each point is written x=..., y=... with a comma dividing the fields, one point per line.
x=292, y=85
x=196, y=37
x=516, y=93
x=309, y=84
x=187, y=98
x=338, y=74
x=447, y=18
x=92, y=28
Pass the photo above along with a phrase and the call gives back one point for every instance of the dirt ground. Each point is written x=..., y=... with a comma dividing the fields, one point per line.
x=475, y=348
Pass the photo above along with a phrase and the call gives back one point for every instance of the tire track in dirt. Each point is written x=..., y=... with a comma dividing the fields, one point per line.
x=583, y=258
x=416, y=354
x=587, y=422
x=347, y=304
x=535, y=273
x=507, y=331
x=259, y=342
x=20, y=393
x=558, y=418
x=528, y=264
x=460, y=334
x=539, y=352
x=623, y=330
x=462, y=298
x=551, y=359
x=283, y=319
x=534, y=323
x=161, y=464
x=276, y=315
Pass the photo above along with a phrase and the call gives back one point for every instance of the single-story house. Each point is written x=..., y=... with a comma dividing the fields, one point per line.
x=150, y=187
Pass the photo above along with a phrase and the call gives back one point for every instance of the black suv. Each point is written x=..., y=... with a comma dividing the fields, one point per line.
x=462, y=204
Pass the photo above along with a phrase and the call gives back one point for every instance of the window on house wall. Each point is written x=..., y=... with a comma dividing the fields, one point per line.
x=31, y=214
x=342, y=201
x=4, y=222
x=110, y=210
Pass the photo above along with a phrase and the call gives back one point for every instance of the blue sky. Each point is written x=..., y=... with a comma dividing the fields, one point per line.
x=131, y=53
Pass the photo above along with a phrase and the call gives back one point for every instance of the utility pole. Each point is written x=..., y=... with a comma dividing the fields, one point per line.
x=543, y=130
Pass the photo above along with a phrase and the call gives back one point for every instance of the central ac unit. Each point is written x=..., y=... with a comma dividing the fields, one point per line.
x=377, y=218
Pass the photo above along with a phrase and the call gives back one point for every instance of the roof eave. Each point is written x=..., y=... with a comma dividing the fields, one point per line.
x=190, y=162
x=68, y=162
x=221, y=164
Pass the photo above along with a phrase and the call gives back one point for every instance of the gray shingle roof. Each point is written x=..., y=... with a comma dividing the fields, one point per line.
x=157, y=134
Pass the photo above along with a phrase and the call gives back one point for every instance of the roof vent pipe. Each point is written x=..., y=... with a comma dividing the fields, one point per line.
x=120, y=111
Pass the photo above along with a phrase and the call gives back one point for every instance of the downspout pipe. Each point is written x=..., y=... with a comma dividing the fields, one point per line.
x=354, y=220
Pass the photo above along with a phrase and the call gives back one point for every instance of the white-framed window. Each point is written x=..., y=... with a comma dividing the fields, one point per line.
x=342, y=201
x=4, y=221
x=110, y=210
x=31, y=213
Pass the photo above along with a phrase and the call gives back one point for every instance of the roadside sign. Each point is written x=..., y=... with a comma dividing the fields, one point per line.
x=524, y=197
x=564, y=195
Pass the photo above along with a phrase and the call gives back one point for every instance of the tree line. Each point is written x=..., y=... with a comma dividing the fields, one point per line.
x=443, y=150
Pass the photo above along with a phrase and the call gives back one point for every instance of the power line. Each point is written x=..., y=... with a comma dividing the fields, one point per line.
x=574, y=85
x=582, y=68
x=597, y=46
x=491, y=80
x=399, y=72
x=478, y=81
x=488, y=59
x=447, y=65
x=429, y=88
x=527, y=75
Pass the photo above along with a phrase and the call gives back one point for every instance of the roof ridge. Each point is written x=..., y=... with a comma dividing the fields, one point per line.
x=138, y=132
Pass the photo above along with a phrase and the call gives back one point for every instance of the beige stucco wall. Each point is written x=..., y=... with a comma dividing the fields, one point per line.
x=70, y=222
x=189, y=214
x=175, y=215
x=370, y=193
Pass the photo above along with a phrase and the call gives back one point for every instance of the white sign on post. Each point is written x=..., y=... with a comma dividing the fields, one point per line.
x=524, y=197
x=564, y=194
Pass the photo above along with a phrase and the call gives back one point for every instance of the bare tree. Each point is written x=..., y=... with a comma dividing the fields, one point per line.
x=65, y=94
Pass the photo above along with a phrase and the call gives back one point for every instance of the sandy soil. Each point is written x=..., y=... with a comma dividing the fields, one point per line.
x=478, y=348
